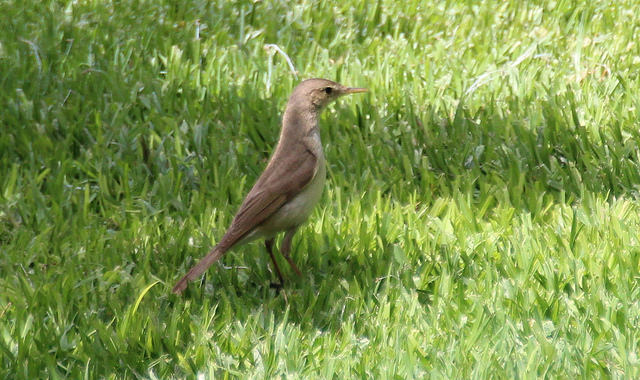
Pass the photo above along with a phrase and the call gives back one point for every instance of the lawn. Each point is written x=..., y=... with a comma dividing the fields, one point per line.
x=481, y=217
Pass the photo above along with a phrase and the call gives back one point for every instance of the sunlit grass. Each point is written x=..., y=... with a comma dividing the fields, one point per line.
x=480, y=219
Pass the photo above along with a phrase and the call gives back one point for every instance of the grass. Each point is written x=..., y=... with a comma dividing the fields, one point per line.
x=480, y=219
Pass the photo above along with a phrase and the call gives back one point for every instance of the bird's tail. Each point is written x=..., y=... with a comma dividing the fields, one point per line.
x=199, y=268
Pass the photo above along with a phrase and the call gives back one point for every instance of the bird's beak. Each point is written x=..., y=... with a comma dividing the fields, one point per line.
x=354, y=90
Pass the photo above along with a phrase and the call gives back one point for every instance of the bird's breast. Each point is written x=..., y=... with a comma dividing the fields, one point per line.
x=297, y=210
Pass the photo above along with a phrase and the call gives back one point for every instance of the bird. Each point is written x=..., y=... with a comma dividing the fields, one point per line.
x=290, y=186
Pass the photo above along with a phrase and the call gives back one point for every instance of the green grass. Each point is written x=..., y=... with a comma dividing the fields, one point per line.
x=481, y=217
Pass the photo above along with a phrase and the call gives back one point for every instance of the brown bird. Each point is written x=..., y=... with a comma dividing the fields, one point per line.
x=291, y=184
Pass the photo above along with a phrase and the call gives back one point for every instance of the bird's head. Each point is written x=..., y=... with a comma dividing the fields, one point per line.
x=318, y=93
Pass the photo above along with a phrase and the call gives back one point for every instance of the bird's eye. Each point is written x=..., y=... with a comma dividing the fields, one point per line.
x=328, y=90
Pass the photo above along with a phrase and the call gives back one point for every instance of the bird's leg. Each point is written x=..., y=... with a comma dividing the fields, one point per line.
x=269, y=244
x=285, y=248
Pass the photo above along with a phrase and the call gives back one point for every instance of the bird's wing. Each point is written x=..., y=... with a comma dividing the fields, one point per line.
x=283, y=178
